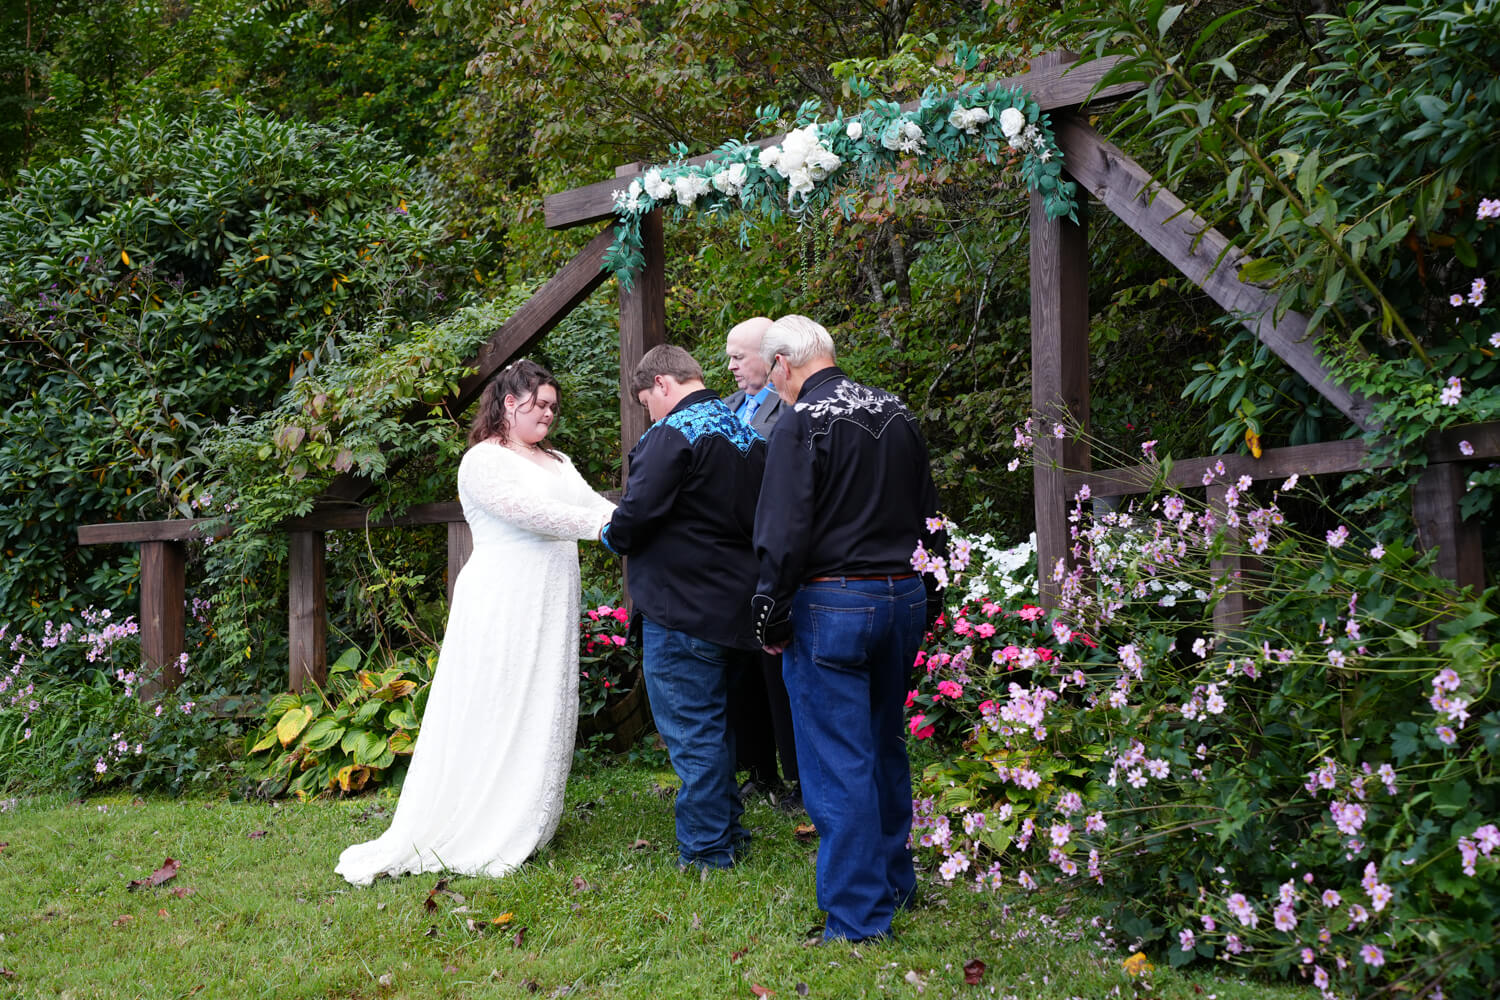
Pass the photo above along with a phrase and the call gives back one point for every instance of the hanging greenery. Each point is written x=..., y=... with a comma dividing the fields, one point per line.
x=817, y=164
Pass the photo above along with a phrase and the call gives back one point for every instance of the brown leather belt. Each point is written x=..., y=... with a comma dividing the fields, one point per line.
x=861, y=576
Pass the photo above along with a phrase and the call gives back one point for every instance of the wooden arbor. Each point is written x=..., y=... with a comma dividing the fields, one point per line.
x=1060, y=362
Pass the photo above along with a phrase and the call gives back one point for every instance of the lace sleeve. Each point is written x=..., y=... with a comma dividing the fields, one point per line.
x=586, y=494
x=486, y=476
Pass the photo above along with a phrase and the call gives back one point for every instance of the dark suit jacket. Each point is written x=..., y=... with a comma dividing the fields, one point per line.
x=765, y=418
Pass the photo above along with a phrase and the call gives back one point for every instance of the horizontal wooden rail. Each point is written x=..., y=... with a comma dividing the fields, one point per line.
x=179, y=530
x=1326, y=458
x=1061, y=85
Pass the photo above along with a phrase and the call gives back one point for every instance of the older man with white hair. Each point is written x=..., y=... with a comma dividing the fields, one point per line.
x=847, y=495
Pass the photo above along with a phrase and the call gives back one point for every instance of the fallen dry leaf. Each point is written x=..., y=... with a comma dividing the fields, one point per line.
x=503, y=919
x=641, y=845
x=163, y=913
x=256, y=834
x=122, y=920
x=1137, y=964
x=917, y=982
x=518, y=937
x=580, y=884
x=7, y=973
x=805, y=831
x=183, y=891
x=167, y=870
x=735, y=956
x=441, y=889
x=697, y=922
x=761, y=991
x=973, y=971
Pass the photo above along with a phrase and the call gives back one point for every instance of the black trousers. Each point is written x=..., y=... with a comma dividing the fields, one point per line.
x=761, y=717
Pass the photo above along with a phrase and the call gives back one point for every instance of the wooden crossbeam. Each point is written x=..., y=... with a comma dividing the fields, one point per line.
x=575, y=282
x=1324, y=458
x=1202, y=253
x=1053, y=86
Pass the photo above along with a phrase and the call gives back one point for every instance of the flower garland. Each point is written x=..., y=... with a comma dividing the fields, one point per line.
x=815, y=159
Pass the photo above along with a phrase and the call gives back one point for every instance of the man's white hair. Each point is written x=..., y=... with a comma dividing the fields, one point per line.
x=798, y=339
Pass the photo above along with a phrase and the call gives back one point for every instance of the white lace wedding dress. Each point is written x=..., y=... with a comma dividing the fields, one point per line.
x=486, y=781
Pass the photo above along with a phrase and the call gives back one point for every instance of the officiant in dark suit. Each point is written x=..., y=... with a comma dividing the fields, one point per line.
x=759, y=711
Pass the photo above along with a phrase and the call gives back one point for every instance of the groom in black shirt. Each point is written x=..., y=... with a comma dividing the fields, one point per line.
x=684, y=526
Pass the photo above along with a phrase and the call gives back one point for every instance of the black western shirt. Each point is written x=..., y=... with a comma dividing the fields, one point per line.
x=847, y=492
x=684, y=524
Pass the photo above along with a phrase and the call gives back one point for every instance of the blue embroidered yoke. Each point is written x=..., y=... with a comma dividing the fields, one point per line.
x=686, y=520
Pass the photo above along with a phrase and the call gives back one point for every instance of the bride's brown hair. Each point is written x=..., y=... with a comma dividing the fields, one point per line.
x=520, y=379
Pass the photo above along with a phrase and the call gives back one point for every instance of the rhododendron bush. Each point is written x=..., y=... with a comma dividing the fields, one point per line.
x=1312, y=793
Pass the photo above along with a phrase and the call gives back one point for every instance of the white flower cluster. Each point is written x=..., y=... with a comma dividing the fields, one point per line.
x=968, y=119
x=903, y=136
x=803, y=159
x=1022, y=136
x=687, y=187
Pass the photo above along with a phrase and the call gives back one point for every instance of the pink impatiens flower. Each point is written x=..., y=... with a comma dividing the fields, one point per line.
x=1452, y=392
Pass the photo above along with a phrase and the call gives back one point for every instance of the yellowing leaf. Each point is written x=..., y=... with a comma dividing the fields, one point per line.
x=126, y=258
x=503, y=919
x=396, y=689
x=353, y=777
x=1137, y=964
x=264, y=256
x=1253, y=440
x=292, y=723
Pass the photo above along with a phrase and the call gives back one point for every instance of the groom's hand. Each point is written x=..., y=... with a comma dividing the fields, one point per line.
x=773, y=625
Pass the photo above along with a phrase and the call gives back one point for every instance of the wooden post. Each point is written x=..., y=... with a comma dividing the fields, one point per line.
x=1460, y=551
x=308, y=608
x=163, y=626
x=1234, y=607
x=643, y=324
x=460, y=547
x=1059, y=377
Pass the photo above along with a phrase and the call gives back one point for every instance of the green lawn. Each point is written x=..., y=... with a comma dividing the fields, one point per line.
x=256, y=911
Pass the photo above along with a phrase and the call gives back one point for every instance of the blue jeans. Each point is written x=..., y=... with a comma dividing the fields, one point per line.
x=852, y=648
x=687, y=680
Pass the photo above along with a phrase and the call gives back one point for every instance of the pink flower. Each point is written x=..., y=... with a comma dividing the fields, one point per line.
x=1330, y=897
x=622, y=615
x=1372, y=955
x=1465, y=448
x=1338, y=536
x=1453, y=392
x=950, y=689
x=1185, y=939
x=984, y=630
x=618, y=640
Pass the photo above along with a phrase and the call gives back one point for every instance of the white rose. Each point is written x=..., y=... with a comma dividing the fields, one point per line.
x=854, y=130
x=657, y=186
x=1012, y=121
x=978, y=116
x=731, y=179
x=769, y=156
x=799, y=183
x=959, y=117
x=822, y=162
x=911, y=139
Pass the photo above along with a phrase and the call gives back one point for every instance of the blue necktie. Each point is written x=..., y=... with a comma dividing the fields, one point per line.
x=752, y=403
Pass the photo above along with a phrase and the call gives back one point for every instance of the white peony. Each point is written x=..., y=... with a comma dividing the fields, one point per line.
x=769, y=156
x=688, y=188
x=657, y=186
x=1012, y=121
x=731, y=179
x=854, y=130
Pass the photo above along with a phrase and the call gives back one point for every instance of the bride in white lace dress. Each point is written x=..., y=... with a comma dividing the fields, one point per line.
x=486, y=781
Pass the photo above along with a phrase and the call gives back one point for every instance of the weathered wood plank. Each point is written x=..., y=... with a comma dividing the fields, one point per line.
x=176, y=530
x=342, y=518
x=1060, y=376
x=163, y=618
x=575, y=282
x=1201, y=253
x=460, y=547
x=643, y=325
x=1054, y=85
x=1483, y=440
x=307, y=602
x=1460, y=549
x=1275, y=463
